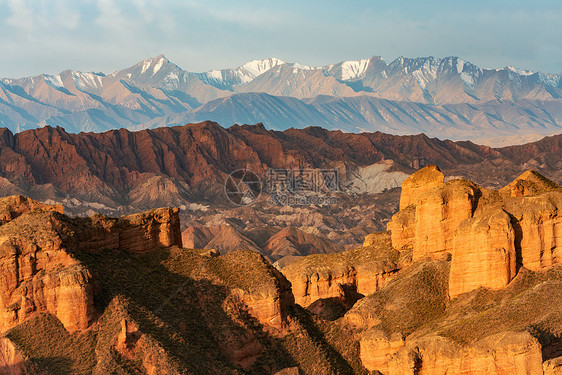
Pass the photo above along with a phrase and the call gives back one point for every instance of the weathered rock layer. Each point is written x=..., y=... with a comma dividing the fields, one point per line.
x=489, y=233
x=39, y=270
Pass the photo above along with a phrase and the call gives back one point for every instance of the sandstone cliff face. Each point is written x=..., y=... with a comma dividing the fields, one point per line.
x=13, y=361
x=331, y=283
x=148, y=230
x=433, y=212
x=37, y=265
x=419, y=183
x=377, y=348
x=503, y=353
x=438, y=214
x=40, y=275
x=363, y=270
x=262, y=288
x=538, y=225
x=483, y=254
x=403, y=228
x=489, y=233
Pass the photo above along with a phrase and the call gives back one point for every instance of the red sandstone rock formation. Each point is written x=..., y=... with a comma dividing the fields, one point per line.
x=13, y=361
x=419, y=183
x=40, y=274
x=39, y=269
x=503, y=353
x=483, y=254
x=263, y=289
x=365, y=270
x=152, y=168
x=148, y=230
x=489, y=233
x=377, y=348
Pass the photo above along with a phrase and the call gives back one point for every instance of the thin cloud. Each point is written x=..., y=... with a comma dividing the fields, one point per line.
x=45, y=35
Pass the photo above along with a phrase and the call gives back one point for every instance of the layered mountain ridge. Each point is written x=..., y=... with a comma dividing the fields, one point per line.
x=446, y=97
x=123, y=171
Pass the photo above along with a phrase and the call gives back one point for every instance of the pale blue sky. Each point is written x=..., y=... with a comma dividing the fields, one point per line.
x=49, y=36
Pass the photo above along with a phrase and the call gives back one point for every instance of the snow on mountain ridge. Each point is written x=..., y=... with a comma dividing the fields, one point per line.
x=85, y=81
x=158, y=65
x=304, y=67
x=258, y=67
x=54, y=81
x=353, y=68
x=521, y=72
x=460, y=65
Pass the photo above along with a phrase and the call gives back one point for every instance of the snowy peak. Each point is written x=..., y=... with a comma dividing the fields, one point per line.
x=354, y=69
x=226, y=79
x=255, y=68
x=430, y=80
x=54, y=81
x=521, y=72
x=153, y=65
x=148, y=69
x=87, y=81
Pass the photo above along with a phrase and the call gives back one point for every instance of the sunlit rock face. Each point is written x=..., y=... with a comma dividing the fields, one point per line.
x=37, y=265
x=489, y=234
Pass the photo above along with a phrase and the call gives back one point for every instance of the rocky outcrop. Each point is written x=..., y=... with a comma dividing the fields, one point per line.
x=377, y=348
x=403, y=228
x=419, y=183
x=363, y=270
x=489, y=233
x=553, y=366
x=270, y=309
x=127, y=339
x=13, y=361
x=439, y=213
x=13, y=206
x=528, y=184
x=427, y=225
x=503, y=353
x=483, y=254
x=37, y=263
x=39, y=273
x=537, y=221
x=262, y=288
x=431, y=213
x=148, y=230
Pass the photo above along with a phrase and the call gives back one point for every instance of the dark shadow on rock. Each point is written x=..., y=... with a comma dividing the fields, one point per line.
x=338, y=363
x=199, y=323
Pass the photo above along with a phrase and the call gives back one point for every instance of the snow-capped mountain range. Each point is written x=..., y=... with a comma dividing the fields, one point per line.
x=443, y=97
